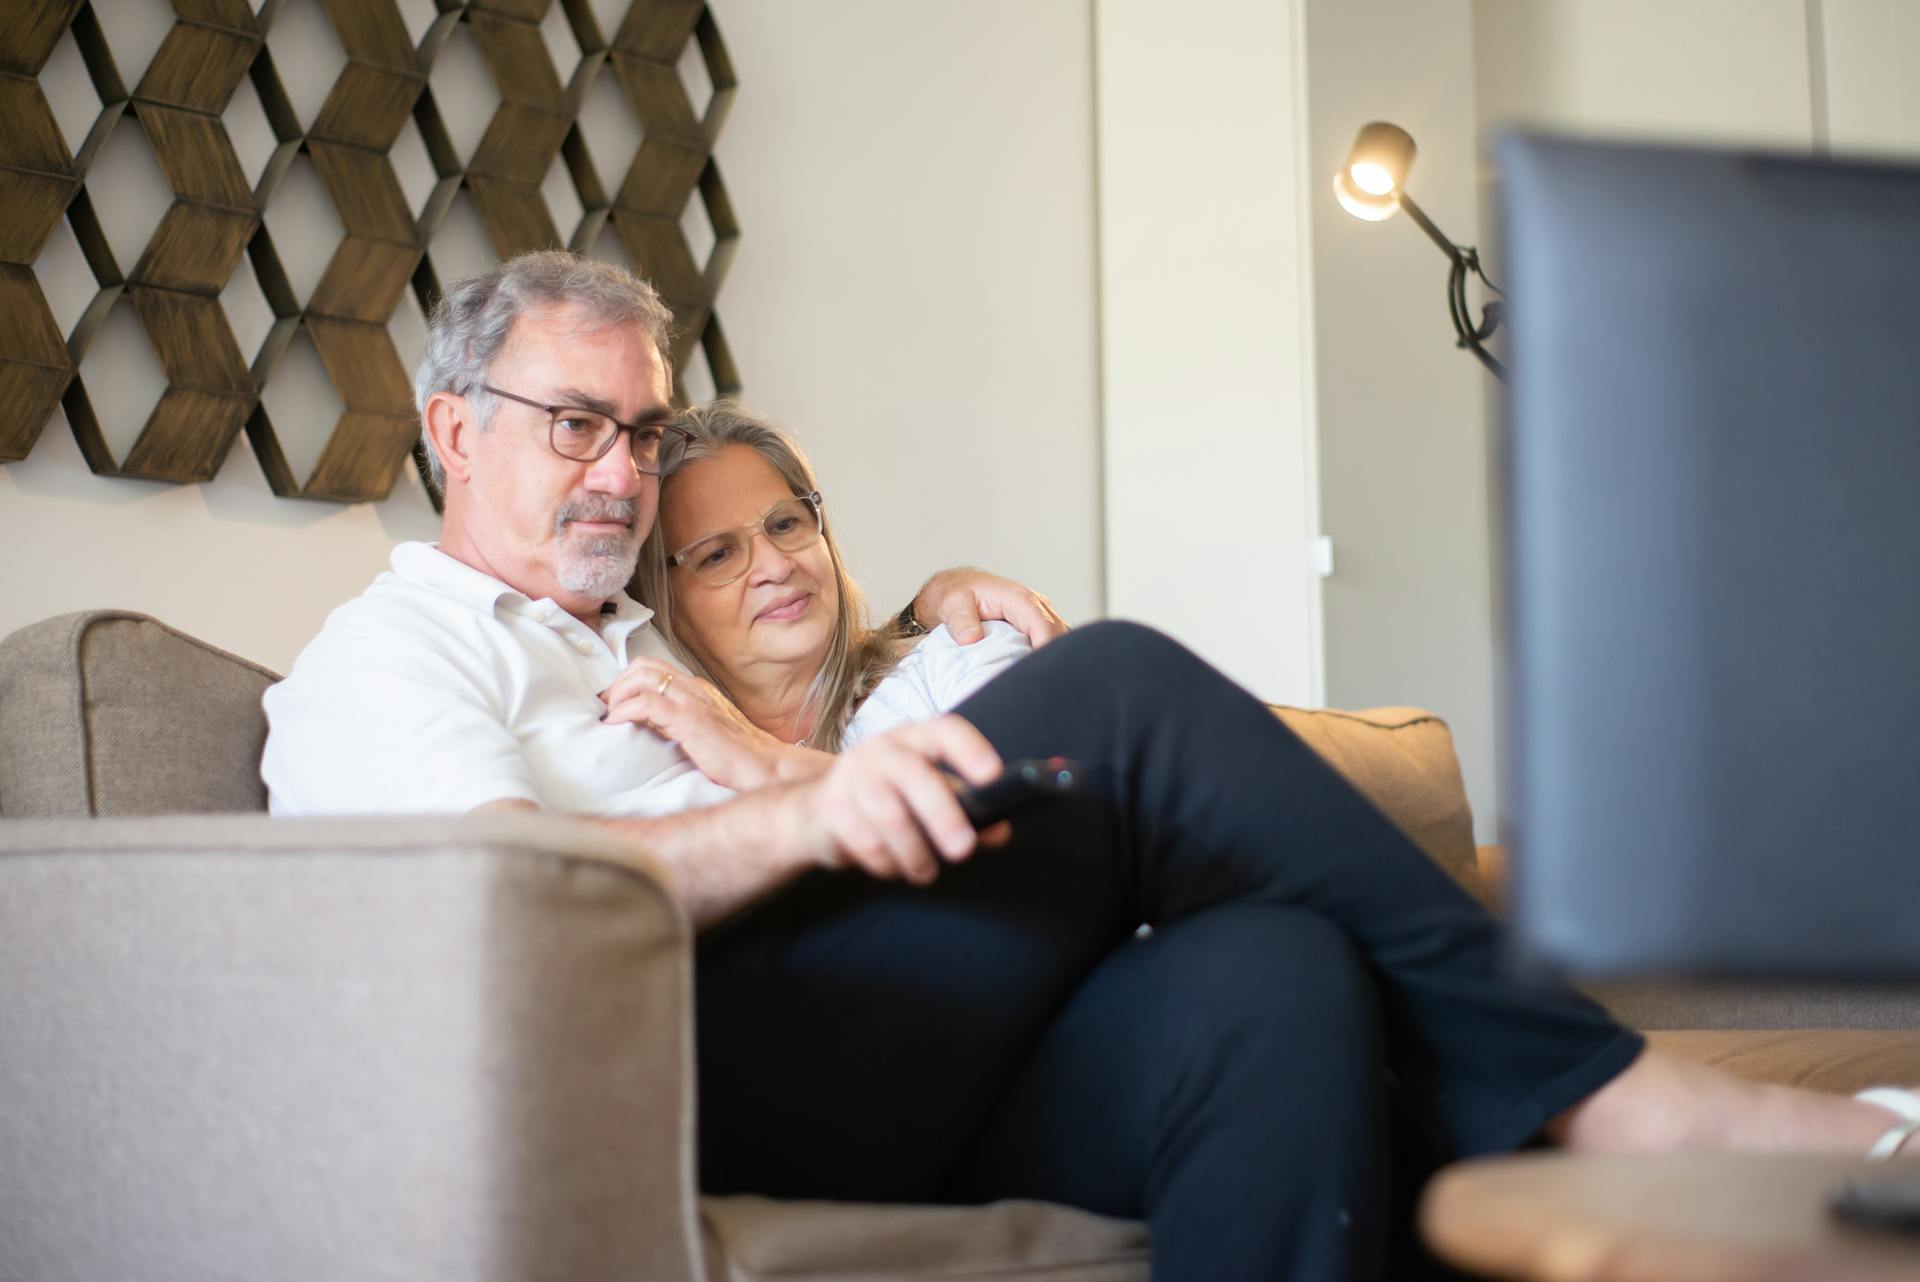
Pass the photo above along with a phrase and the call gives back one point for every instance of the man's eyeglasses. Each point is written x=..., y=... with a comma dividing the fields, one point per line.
x=720, y=558
x=585, y=435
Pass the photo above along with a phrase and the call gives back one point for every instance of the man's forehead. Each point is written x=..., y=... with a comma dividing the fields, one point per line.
x=555, y=330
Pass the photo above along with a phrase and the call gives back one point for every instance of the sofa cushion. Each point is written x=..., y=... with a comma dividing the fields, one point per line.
x=1402, y=760
x=108, y=712
x=753, y=1239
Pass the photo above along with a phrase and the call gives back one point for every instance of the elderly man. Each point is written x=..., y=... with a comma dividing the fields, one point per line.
x=999, y=1033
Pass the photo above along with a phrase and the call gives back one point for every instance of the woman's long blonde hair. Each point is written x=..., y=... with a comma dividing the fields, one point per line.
x=858, y=656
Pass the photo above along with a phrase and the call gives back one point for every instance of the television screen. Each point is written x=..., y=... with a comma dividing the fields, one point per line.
x=1711, y=474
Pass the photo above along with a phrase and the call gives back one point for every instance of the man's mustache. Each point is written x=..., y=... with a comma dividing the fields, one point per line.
x=626, y=511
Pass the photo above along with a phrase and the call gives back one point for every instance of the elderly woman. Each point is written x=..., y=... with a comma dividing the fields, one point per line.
x=1316, y=1000
x=787, y=662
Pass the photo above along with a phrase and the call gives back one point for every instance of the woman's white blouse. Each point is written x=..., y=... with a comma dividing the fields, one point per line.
x=934, y=677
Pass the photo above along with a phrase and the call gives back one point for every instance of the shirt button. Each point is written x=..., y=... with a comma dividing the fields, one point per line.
x=584, y=646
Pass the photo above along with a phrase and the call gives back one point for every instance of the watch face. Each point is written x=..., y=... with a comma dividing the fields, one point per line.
x=908, y=625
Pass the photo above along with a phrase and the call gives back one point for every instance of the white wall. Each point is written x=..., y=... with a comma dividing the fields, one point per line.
x=914, y=291
x=1729, y=71
x=1207, y=367
x=927, y=192
x=1872, y=82
x=1785, y=73
x=1403, y=443
x=226, y=561
x=1404, y=416
x=1726, y=72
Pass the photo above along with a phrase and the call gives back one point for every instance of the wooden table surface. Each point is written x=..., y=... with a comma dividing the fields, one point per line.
x=1555, y=1217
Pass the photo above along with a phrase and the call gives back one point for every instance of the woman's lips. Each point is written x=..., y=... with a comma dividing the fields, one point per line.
x=791, y=608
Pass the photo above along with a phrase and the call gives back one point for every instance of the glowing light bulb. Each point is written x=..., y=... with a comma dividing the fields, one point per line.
x=1371, y=178
x=1369, y=185
x=1363, y=204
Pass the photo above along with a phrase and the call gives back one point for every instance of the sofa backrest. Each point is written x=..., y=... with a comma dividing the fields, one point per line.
x=109, y=712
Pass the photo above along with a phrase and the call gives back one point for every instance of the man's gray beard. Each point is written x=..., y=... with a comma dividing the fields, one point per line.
x=600, y=566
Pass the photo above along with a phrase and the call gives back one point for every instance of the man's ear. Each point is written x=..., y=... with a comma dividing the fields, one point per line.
x=447, y=421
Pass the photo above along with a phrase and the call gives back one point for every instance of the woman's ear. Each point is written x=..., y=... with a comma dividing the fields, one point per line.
x=447, y=420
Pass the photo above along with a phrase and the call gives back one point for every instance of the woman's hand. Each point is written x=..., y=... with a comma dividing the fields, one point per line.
x=716, y=735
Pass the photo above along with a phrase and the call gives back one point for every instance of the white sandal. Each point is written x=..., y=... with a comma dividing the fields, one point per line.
x=1895, y=1100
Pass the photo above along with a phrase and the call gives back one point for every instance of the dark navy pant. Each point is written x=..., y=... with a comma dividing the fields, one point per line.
x=1318, y=1012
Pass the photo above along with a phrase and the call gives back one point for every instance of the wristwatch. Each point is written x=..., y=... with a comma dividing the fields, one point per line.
x=906, y=625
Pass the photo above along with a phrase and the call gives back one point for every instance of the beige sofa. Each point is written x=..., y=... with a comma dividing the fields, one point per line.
x=236, y=1047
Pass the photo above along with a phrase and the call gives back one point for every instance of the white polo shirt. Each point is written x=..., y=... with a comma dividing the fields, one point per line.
x=440, y=689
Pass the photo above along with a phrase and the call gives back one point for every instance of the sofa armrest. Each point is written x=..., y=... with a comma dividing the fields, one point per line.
x=1492, y=863
x=1402, y=760
x=317, y=1049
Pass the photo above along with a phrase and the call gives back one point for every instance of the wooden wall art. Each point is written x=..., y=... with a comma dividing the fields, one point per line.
x=313, y=166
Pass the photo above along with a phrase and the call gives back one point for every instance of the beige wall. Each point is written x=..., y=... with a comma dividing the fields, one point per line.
x=226, y=561
x=1789, y=73
x=1205, y=332
x=1404, y=417
x=1872, y=81
x=1403, y=476
x=942, y=206
x=1732, y=71
x=915, y=292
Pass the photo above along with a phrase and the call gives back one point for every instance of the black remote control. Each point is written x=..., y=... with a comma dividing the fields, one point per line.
x=1023, y=784
x=1889, y=1202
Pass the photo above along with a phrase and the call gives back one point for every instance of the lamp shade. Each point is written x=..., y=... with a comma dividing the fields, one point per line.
x=1368, y=185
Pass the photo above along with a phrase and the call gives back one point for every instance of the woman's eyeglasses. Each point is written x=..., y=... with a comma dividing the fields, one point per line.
x=722, y=557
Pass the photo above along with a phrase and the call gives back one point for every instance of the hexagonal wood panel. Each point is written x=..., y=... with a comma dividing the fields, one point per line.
x=390, y=144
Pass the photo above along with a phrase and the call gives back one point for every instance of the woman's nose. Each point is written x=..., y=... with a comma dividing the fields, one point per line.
x=769, y=563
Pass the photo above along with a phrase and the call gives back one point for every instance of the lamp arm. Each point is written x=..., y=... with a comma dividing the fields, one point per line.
x=1425, y=224
x=1473, y=337
x=1464, y=259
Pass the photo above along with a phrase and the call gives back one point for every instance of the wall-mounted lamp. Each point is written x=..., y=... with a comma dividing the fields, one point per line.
x=1372, y=185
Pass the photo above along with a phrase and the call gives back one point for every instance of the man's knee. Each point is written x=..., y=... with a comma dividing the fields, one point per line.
x=1122, y=650
x=1273, y=973
x=1278, y=1035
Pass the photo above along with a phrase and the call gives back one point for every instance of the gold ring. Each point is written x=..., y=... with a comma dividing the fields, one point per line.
x=665, y=681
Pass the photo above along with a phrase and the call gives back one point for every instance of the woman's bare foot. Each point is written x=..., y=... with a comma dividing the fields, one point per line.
x=1663, y=1103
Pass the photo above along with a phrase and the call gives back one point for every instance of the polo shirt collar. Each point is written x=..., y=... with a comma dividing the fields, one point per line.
x=425, y=565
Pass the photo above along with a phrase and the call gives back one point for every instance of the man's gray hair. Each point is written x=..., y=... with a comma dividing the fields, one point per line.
x=474, y=316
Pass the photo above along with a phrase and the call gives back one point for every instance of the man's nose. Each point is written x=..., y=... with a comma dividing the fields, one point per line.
x=614, y=472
